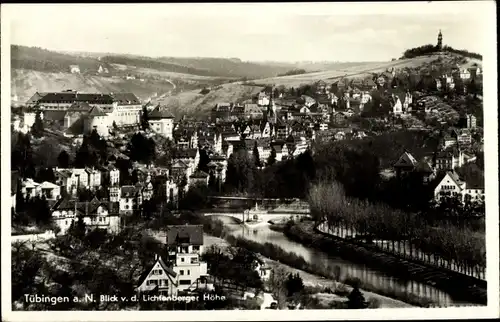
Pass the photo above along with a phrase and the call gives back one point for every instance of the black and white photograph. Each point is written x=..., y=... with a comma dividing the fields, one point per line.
x=206, y=159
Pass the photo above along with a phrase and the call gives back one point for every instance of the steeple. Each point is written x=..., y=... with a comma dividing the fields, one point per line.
x=440, y=40
x=271, y=108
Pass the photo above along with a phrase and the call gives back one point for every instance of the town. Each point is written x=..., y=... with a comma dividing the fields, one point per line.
x=114, y=195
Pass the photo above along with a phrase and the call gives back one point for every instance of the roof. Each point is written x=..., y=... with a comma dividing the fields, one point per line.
x=191, y=234
x=85, y=208
x=424, y=166
x=199, y=174
x=185, y=154
x=160, y=113
x=163, y=265
x=406, y=160
x=96, y=111
x=128, y=191
x=125, y=98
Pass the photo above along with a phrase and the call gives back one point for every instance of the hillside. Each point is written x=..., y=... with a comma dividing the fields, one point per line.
x=192, y=102
x=26, y=82
x=230, y=67
x=43, y=60
x=352, y=70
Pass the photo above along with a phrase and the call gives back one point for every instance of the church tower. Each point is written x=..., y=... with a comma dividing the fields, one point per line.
x=440, y=41
x=271, y=109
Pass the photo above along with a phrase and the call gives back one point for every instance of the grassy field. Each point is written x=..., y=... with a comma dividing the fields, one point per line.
x=196, y=103
x=359, y=70
x=26, y=82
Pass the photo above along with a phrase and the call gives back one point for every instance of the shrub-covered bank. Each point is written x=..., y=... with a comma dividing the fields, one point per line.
x=216, y=228
x=454, y=284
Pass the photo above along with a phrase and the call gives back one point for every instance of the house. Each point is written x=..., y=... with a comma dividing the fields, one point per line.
x=171, y=191
x=464, y=137
x=397, y=107
x=74, y=69
x=448, y=141
x=407, y=102
x=96, y=214
x=31, y=189
x=263, y=270
x=129, y=199
x=262, y=99
x=471, y=121
x=162, y=122
x=451, y=185
x=199, y=177
x=185, y=245
x=450, y=159
x=253, y=111
x=406, y=163
x=308, y=101
x=160, y=278
x=465, y=74
x=340, y=118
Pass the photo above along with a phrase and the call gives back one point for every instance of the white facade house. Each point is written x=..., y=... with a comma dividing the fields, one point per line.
x=452, y=185
x=397, y=107
x=31, y=189
x=160, y=277
x=162, y=122
x=95, y=214
x=114, y=176
x=465, y=74
x=262, y=99
x=185, y=246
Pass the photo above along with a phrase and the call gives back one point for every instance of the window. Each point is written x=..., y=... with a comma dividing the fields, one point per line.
x=181, y=272
x=196, y=247
x=188, y=272
x=185, y=282
x=182, y=259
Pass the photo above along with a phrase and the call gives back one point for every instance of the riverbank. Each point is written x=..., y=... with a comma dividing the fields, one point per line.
x=459, y=287
x=217, y=229
x=320, y=283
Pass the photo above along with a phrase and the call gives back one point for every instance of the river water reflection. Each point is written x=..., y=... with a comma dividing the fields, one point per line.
x=263, y=234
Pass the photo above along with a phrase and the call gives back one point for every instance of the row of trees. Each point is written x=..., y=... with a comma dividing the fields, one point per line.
x=405, y=233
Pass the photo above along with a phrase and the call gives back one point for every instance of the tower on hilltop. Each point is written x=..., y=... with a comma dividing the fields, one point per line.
x=440, y=41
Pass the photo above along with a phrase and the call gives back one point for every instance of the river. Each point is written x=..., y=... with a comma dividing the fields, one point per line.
x=262, y=233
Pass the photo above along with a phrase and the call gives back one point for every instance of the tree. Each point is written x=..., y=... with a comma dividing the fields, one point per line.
x=37, y=127
x=256, y=155
x=241, y=171
x=83, y=157
x=272, y=157
x=145, y=118
x=63, y=159
x=78, y=229
x=294, y=284
x=45, y=174
x=356, y=300
x=204, y=161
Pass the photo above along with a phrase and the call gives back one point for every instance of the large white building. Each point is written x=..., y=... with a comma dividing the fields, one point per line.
x=121, y=108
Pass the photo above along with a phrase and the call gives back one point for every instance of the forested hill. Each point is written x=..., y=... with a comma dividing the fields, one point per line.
x=432, y=49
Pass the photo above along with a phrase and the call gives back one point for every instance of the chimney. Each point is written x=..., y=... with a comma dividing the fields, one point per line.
x=156, y=257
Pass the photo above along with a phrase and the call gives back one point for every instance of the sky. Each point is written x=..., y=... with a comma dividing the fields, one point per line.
x=252, y=32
